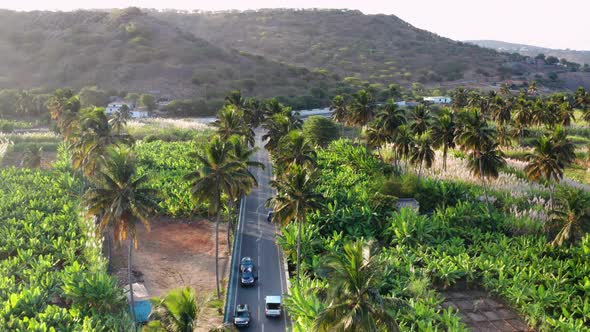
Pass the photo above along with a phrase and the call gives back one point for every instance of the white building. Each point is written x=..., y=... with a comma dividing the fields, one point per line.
x=438, y=100
x=135, y=113
x=116, y=106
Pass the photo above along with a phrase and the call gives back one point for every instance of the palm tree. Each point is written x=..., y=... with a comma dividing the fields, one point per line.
x=523, y=116
x=24, y=103
x=505, y=135
x=64, y=106
x=339, y=109
x=377, y=135
x=475, y=135
x=544, y=162
x=391, y=117
x=230, y=121
x=420, y=119
x=219, y=176
x=362, y=108
x=295, y=148
x=570, y=215
x=403, y=140
x=565, y=147
x=443, y=133
x=33, y=156
x=459, y=98
x=487, y=163
x=353, y=299
x=178, y=311
x=91, y=139
x=582, y=101
x=502, y=109
x=277, y=126
x=295, y=198
x=532, y=90
x=119, y=198
x=549, y=158
x=120, y=118
x=422, y=153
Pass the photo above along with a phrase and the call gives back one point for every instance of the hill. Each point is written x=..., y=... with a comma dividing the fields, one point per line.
x=133, y=51
x=380, y=48
x=580, y=57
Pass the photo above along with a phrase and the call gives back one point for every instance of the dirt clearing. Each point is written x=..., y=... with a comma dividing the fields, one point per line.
x=176, y=254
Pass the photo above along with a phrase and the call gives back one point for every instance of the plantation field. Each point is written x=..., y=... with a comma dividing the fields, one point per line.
x=455, y=243
x=50, y=261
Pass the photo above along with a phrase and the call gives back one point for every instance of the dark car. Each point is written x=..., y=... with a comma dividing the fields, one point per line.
x=246, y=263
x=247, y=277
x=242, y=316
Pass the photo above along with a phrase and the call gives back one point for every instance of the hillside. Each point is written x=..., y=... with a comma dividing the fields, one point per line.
x=379, y=48
x=132, y=51
x=580, y=57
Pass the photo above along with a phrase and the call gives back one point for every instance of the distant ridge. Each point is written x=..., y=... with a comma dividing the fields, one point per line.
x=578, y=56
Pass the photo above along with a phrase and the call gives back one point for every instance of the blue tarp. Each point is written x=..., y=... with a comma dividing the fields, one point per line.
x=142, y=310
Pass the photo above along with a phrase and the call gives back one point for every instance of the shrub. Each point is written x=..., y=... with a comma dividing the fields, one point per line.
x=320, y=130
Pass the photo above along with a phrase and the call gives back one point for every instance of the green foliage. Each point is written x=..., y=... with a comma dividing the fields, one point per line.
x=51, y=272
x=165, y=164
x=408, y=228
x=320, y=130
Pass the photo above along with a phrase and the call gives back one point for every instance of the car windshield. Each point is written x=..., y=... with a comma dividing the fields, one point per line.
x=273, y=306
x=242, y=314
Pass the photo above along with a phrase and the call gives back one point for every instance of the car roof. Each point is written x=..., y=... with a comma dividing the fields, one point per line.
x=273, y=299
x=246, y=259
x=242, y=307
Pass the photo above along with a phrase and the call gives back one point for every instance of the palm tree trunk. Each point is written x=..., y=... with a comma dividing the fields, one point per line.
x=230, y=208
x=483, y=185
x=129, y=249
x=217, y=254
x=298, y=247
x=445, y=151
x=109, y=248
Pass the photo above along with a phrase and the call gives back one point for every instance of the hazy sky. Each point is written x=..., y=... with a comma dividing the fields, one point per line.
x=549, y=23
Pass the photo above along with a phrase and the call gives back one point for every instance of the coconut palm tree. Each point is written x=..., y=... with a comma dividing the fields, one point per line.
x=91, y=139
x=219, y=176
x=443, y=133
x=120, y=118
x=362, y=108
x=32, y=156
x=565, y=147
x=277, y=126
x=296, y=149
x=377, y=135
x=475, y=135
x=295, y=198
x=532, y=89
x=230, y=121
x=177, y=311
x=523, y=116
x=119, y=199
x=487, y=163
x=420, y=119
x=570, y=218
x=339, y=109
x=459, y=99
x=422, y=153
x=544, y=162
x=505, y=135
x=403, y=140
x=64, y=106
x=353, y=300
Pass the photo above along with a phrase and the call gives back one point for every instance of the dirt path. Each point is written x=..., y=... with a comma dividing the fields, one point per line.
x=176, y=254
x=481, y=313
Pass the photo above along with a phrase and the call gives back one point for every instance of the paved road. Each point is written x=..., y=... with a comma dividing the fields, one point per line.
x=256, y=239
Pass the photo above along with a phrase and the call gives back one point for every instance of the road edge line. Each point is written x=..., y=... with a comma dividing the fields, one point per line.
x=230, y=285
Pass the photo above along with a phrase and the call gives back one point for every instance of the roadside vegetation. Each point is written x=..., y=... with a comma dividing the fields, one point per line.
x=515, y=227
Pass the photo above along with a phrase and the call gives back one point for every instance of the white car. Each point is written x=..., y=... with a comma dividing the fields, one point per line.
x=272, y=307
